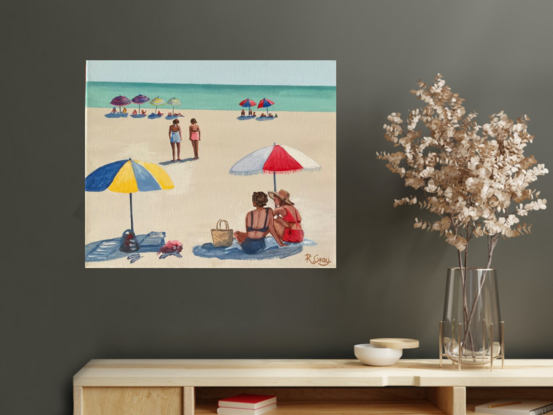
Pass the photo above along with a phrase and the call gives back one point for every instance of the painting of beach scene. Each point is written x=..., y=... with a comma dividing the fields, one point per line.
x=210, y=164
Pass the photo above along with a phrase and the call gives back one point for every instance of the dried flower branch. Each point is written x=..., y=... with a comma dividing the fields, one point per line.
x=475, y=178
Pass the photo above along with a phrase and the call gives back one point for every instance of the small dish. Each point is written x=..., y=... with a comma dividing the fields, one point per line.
x=376, y=356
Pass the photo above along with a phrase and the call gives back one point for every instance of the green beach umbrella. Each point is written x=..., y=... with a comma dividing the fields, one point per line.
x=174, y=101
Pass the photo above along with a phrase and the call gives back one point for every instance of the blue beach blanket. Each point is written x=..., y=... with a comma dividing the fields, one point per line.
x=116, y=115
x=108, y=249
x=272, y=250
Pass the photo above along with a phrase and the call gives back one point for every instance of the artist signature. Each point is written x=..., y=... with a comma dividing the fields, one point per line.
x=317, y=260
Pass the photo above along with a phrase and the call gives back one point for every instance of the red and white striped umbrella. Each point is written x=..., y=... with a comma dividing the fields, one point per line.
x=276, y=159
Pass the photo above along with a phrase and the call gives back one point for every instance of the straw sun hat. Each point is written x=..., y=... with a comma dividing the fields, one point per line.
x=282, y=195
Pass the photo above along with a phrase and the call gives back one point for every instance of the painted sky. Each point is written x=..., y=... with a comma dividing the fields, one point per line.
x=293, y=73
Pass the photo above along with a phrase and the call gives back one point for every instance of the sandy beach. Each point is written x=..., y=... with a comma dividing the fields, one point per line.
x=204, y=190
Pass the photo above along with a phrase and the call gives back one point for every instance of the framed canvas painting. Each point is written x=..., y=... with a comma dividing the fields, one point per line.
x=210, y=164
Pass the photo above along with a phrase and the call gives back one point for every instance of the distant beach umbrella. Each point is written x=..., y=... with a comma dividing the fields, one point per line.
x=128, y=176
x=120, y=101
x=174, y=101
x=156, y=102
x=247, y=103
x=140, y=99
x=276, y=159
x=265, y=103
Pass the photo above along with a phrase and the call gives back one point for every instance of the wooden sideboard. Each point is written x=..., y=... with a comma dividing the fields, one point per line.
x=303, y=387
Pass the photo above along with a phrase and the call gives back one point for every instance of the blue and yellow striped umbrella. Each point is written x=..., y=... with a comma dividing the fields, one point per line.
x=128, y=176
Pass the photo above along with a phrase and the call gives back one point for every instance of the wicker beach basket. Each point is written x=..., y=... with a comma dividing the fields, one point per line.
x=221, y=237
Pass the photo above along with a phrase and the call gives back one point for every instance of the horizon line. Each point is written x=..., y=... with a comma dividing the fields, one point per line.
x=178, y=83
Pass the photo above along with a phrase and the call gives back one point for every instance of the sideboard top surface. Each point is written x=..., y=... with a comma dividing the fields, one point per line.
x=306, y=373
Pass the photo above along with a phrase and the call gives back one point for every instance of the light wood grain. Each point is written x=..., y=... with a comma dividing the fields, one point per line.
x=297, y=395
x=189, y=400
x=482, y=395
x=450, y=400
x=132, y=401
x=77, y=400
x=307, y=373
x=421, y=408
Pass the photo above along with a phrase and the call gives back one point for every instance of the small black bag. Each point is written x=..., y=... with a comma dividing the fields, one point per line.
x=129, y=243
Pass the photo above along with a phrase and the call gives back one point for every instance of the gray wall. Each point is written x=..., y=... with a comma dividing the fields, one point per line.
x=55, y=315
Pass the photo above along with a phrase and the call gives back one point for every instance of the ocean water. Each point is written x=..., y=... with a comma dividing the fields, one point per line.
x=216, y=97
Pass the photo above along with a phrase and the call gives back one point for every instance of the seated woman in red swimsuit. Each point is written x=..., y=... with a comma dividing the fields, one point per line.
x=287, y=218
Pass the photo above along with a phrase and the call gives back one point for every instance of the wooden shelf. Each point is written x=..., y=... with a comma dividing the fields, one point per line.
x=332, y=408
x=303, y=387
x=287, y=373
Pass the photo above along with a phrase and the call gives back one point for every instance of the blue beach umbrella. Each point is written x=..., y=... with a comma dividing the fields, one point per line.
x=265, y=103
x=128, y=176
x=247, y=103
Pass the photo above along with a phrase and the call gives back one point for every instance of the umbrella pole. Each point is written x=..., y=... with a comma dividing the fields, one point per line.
x=132, y=223
x=274, y=180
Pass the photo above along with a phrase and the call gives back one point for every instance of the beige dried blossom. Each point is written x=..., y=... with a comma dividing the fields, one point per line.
x=475, y=178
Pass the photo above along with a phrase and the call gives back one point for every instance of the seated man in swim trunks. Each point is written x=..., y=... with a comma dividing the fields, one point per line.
x=243, y=113
x=259, y=223
x=134, y=112
x=262, y=115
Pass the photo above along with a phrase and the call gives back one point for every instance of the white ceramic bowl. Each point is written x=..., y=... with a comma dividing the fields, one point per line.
x=377, y=356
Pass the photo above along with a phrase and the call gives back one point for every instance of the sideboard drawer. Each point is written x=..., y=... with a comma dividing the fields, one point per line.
x=132, y=401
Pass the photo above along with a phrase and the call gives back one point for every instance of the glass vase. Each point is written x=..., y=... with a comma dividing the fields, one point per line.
x=471, y=332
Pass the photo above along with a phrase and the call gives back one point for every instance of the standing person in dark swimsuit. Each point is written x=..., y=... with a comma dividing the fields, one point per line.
x=287, y=217
x=175, y=138
x=195, y=137
x=259, y=223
